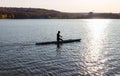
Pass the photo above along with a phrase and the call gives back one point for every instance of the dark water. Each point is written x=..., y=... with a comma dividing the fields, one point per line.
x=98, y=53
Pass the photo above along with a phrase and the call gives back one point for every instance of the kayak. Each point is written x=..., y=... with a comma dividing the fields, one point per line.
x=55, y=42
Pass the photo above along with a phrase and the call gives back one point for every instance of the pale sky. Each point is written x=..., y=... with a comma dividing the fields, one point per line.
x=67, y=5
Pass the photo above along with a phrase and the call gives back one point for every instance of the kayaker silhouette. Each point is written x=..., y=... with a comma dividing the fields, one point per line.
x=59, y=37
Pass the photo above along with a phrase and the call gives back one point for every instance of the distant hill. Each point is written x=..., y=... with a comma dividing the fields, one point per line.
x=35, y=13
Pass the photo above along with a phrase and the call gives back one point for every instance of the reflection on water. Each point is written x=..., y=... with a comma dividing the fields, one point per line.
x=97, y=36
x=58, y=49
x=97, y=29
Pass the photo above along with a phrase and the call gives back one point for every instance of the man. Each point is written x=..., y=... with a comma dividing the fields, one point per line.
x=59, y=37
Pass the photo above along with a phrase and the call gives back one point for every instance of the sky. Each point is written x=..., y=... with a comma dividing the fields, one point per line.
x=110, y=6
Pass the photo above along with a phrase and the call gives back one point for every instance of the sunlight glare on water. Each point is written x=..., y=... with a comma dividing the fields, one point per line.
x=97, y=36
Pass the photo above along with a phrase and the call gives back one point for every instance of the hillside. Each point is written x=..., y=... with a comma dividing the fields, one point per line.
x=35, y=13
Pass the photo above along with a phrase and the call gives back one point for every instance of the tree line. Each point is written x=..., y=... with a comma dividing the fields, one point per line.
x=37, y=13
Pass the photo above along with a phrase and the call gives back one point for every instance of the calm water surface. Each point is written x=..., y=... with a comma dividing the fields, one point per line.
x=98, y=53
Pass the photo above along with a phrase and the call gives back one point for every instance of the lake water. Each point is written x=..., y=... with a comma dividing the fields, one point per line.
x=98, y=53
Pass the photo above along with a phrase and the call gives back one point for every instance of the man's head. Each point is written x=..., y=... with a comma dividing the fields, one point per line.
x=58, y=31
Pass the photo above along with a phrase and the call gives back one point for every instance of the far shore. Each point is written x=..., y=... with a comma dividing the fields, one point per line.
x=35, y=13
